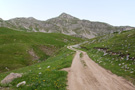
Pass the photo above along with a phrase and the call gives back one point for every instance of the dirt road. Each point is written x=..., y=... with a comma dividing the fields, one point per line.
x=85, y=74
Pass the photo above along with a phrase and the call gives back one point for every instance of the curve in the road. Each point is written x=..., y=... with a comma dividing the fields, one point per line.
x=85, y=74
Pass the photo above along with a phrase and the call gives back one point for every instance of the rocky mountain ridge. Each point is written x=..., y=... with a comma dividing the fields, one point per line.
x=65, y=24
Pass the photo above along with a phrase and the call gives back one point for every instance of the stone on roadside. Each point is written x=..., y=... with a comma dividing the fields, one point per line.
x=9, y=78
x=21, y=84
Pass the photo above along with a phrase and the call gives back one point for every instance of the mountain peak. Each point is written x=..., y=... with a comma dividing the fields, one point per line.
x=31, y=18
x=65, y=15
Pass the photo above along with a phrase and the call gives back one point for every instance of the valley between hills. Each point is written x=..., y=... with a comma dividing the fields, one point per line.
x=37, y=51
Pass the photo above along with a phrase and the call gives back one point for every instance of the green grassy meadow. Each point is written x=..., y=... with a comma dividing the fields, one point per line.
x=43, y=70
x=16, y=46
x=46, y=75
x=123, y=44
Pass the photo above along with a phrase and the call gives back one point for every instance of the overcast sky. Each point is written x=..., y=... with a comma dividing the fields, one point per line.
x=114, y=12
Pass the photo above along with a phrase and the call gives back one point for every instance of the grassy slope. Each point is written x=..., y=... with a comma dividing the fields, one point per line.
x=124, y=43
x=39, y=77
x=15, y=46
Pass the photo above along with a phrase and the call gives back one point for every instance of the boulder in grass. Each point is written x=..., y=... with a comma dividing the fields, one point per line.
x=9, y=78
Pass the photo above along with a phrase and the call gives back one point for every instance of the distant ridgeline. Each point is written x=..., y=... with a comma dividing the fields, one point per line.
x=65, y=24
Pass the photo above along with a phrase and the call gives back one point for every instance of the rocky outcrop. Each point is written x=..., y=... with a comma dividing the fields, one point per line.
x=1, y=19
x=9, y=78
x=33, y=55
x=65, y=24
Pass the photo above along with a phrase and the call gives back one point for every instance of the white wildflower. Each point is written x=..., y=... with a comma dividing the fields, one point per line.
x=39, y=68
x=40, y=73
x=48, y=67
x=119, y=64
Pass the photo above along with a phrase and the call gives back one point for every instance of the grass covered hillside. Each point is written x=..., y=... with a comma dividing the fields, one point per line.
x=115, y=52
x=46, y=75
x=20, y=49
